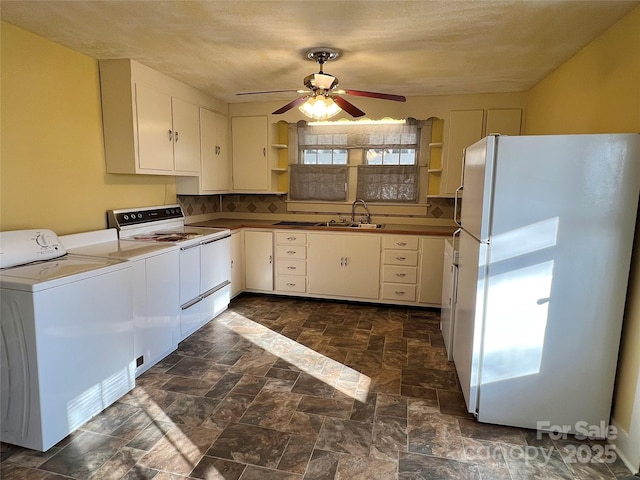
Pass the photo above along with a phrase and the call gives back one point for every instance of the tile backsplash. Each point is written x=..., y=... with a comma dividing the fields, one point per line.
x=441, y=208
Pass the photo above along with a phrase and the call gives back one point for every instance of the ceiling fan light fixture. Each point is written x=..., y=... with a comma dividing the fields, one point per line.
x=320, y=107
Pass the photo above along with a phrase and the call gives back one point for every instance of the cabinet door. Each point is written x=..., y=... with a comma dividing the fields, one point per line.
x=258, y=260
x=186, y=136
x=431, y=270
x=250, y=162
x=465, y=128
x=325, y=264
x=505, y=121
x=237, y=262
x=344, y=265
x=214, y=146
x=362, y=265
x=155, y=129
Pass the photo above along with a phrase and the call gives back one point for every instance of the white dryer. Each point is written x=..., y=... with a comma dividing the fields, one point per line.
x=67, y=337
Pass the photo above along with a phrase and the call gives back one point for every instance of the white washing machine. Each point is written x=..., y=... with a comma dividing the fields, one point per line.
x=67, y=337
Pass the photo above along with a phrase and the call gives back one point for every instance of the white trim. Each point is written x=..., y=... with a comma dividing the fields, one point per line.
x=628, y=443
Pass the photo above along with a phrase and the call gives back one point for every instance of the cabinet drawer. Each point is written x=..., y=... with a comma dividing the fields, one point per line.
x=291, y=267
x=399, y=274
x=291, y=251
x=291, y=238
x=395, y=291
x=400, y=257
x=400, y=242
x=289, y=283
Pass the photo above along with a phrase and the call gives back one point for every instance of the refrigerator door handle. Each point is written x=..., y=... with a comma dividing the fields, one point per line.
x=455, y=206
x=455, y=235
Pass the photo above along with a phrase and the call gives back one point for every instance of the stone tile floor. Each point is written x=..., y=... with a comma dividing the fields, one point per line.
x=295, y=389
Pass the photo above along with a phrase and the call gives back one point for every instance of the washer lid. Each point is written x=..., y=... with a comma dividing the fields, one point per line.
x=52, y=273
x=123, y=249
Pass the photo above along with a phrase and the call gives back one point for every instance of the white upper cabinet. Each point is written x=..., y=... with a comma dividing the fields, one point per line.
x=467, y=127
x=168, y=133
x=186, y=136
x=155, y=131
x=215, y=161
x=151, y=121
x=251, y=170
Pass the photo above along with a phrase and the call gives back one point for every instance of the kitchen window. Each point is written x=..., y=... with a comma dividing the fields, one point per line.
x=379, y=159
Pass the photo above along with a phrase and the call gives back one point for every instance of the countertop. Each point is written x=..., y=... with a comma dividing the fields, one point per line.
x=393, y=228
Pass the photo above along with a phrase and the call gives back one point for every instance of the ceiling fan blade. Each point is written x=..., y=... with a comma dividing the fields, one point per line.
x=350, y=108
x=383, y=96
x=267, y=91
x=291, y=105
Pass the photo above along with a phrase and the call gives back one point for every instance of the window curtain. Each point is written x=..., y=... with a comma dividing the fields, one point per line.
x=318, y=182
x=356, y=135
x=394, y=183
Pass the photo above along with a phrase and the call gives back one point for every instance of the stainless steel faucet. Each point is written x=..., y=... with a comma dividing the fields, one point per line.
x=364, y=205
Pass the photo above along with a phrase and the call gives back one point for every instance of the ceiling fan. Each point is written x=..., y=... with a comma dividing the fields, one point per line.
x=322, y=94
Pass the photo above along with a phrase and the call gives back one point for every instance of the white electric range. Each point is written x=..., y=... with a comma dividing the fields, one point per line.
x=204, y=258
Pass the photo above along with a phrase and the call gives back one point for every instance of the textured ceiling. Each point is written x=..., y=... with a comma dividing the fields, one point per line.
x=402, y=47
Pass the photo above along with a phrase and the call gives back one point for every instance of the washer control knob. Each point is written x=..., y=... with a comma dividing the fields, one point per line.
x=42, y=240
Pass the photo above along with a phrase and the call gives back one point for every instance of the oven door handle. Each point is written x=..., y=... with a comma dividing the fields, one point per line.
x=207, y=242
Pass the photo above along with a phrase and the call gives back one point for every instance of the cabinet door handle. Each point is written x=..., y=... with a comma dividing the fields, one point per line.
x=401, y=275
x=270, y=259
x=401, y=259
x=346, y=261
x=264, y=152
x=171, y=135
x=401, y=244
x=399, y=293
x=176, y=135
x=291, y=252
x=291, y=268
x=342, y=261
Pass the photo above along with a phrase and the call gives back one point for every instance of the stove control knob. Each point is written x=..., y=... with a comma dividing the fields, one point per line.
x=42, y=240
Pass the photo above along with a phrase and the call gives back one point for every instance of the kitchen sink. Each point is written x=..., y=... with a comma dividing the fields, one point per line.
x=371, y=226
x=298, y=224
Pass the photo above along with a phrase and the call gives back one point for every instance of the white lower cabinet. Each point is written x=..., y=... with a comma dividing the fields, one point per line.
x=291, y=262
x=156, y=308
x=237, y=262
x=389, y=268
x=258, y=260
x=344, y=265
x=399, y=268
x=431, y=270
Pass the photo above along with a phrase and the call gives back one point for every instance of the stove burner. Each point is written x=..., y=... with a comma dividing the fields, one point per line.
x=166, y=236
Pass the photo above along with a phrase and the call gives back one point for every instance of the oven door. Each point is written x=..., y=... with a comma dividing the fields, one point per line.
x=215, y=266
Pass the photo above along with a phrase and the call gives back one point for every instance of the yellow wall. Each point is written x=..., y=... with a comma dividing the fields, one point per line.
x=598, y=91
x=52, y=170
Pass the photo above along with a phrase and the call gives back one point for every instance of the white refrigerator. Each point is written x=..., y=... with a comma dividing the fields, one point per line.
x=547, y=226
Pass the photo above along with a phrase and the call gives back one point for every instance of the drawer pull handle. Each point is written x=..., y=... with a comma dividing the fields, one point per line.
x=402, y=244
x=291, y=268
x=291, y=284
x=291, y=239
x=399, y=293
x=401, y=275
x=401, y=259
x=291, y=252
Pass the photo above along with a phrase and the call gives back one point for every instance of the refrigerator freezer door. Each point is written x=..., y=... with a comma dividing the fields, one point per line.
x=468, y=313
x=479, y=160
x=563, y=217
